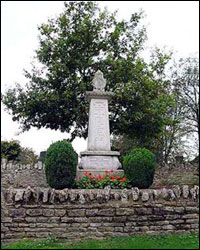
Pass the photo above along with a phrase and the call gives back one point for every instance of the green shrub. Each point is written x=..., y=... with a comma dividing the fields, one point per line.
x=10, y=150
x=139, y=167
x=60, y=165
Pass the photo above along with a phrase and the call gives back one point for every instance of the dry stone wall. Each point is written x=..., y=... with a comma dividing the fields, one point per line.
x=75, y=214
x=22, y=176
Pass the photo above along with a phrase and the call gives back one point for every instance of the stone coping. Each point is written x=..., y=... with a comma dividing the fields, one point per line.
x=98, y=94
x=109, y=153
x=81, y=196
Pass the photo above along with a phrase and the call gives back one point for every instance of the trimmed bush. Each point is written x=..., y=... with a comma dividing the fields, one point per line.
x=139, y=167
x=60, y=165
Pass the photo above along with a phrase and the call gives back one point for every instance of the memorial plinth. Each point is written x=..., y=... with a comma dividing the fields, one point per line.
x=98, y=157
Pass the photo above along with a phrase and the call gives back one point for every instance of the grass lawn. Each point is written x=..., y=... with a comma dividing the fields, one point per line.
x=189, y=241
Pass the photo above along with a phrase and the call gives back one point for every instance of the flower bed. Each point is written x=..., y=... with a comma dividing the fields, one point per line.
x=110, y=179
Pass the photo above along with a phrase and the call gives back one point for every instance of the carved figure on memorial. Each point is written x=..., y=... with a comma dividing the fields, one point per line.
x=98, y=81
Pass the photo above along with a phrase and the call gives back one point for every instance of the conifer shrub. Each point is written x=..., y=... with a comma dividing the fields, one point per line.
x=60, y=165
x=139, y=167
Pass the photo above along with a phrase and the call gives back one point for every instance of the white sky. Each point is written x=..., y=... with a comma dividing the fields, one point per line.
x=174, y=24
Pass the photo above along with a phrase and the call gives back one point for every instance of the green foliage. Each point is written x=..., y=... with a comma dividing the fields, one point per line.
x=112, y=179
x=10, y=150
x=13, y=151
x=71, y=49
x=139, y=167
x=60, y=165
x=28, y=156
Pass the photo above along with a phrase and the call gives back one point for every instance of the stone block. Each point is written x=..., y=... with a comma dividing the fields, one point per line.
x=42, y=235
x=137, y=218
x=190, y=216
x=95, y=224
x=100, y=219
x=118, y=229
x=30, y=219
x=54, y=219
x=60, y=212
x=185, y=191
x=17, y=212
x=42, y=219
x=76, y=212
x=16, y=229
x=143, y=229
x=67, y=219
x=196, y=226
x=176, y=222
x=119, y=219
x=6, y=220
x=168, y=227
x=143, y=211
x=19, y=219
x=112, y=224
x=81, y=219
x=11, y=225
x=106, y=229
x=23, y=225
x=192, y=210
x=192, y=221
x=179, y=210
x=48, y=212
x=91, y=212
x=172, y=216
x=145, y=196
x=124, y=211
x=151, y=233
x=34, y=212
x=155, y=218
x=19, y=195
x=4, y=229
x=30, y=234
x=106, y=212
x=167, y=210
x=161, y=223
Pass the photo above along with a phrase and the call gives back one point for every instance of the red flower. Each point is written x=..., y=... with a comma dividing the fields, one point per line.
x=85, y=173
x=90, y=177
x=100, y=177
x=106, y=172
x=90, y=173
x=123, y=179
x=111, y=170
x=117, y=177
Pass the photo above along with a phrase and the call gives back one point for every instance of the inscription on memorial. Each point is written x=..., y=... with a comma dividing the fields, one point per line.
x=100, y=123
x=102, y=162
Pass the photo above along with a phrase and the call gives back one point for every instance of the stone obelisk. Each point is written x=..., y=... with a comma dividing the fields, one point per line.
x=98, y=157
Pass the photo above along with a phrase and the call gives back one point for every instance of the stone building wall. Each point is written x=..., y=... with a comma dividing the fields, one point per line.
x=75, y=214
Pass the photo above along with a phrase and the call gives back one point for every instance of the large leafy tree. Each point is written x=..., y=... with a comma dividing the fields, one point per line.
x=187, y=85
x=71, y=49
x=181, y=118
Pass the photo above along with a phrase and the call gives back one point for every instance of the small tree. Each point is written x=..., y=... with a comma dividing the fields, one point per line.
x=28, y=156
x=139, y=167
x=60, y=165
x=10, y=150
